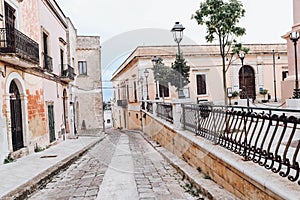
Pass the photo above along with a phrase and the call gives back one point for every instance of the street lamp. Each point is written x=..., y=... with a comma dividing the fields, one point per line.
x=244, y=93
x=142, y=91
x=146, y=73
x=294, y=36
x=274, y=74
x=242, y=56
x=177, y=31
x=155, y=61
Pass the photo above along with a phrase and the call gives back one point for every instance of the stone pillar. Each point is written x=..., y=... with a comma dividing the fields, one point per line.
x=293, y=104
x=154, y=108
x=177, y=114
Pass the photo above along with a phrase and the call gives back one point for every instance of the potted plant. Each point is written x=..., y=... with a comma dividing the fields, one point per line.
x=235, y=94
x=264, y=92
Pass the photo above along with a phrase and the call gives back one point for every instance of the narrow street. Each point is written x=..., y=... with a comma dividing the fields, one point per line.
x=122, y=166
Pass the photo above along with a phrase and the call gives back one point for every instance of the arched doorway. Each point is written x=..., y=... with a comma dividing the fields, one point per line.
x=247, y=80
x=16, y=117
x=65, y=110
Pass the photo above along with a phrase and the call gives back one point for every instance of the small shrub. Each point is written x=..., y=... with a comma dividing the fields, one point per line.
x=199, y=169
x=38, y=148
x=8, y=159
x=235, y=94
x=207, y=176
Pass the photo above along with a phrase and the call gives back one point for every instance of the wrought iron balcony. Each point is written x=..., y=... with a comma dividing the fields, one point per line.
x=67, y=73
x=14, y=41
x=47, y=63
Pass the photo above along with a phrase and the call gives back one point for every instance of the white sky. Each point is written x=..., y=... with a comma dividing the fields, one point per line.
x=125, y=24
x=265, y=21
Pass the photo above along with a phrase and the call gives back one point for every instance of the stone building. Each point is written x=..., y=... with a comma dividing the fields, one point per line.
x=88, y=86
x=38, y=62
x=260, y=65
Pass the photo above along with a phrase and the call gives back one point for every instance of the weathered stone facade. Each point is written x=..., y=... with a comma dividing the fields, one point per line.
x=37, y=76
x=89, y=86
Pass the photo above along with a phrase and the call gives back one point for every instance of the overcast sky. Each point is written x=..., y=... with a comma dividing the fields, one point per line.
x=265, y=21
x=125, y=24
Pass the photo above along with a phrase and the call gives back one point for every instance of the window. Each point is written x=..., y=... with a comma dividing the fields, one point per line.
x=82, y=67
x=134, y=91
x=163, y=91
x=62, y=61
x=285, y=75
x=201, y=84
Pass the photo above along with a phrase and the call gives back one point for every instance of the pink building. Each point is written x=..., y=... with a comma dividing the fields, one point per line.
x=288, y=85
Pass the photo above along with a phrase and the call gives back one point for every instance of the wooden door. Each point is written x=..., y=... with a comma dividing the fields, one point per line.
x=247, y=79
x=16, y=117
x=10, y=26
x=51, y=123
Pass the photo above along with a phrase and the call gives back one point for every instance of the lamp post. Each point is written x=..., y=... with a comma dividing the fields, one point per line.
x=294, y=36
x=242, y=56
x=274, y=74
x=146, y=73
x=155, y=61
x=177, y=31
x=244, y=93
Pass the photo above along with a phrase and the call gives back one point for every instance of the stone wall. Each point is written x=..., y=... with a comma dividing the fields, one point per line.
x=244, y=179
x=89, y=87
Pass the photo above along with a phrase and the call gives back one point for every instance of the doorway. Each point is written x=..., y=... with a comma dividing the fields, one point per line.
x=51, y=123
x=16, y=117
x=247, y=79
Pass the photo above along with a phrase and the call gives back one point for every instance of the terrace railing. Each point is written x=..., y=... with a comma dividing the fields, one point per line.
x=268, y=137
x=165, y=111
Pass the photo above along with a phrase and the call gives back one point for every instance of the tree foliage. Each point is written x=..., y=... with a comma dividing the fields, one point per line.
x=185, y=72
x=221, y=18
x=165, y=75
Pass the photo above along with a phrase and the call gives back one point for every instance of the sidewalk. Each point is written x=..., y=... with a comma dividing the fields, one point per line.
x=19, y=178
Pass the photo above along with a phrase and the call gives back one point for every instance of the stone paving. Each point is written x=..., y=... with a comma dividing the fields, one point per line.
x=82, y=179
x=153, y=177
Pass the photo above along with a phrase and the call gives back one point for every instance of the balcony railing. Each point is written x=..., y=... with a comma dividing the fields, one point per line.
x=47, y=62
x=14, y=41
x=68, y=72
x=165, y=111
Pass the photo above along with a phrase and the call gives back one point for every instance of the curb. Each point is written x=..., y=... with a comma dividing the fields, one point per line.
x=44, y=177
x=208, y=188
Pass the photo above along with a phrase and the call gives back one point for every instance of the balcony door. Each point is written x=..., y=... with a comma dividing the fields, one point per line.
x=10, y=26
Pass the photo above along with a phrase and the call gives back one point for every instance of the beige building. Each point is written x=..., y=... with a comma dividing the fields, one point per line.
x=38, y=64
x=88, y=86
x=260, y=65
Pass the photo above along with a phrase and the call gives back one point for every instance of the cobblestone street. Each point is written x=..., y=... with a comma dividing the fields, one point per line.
x=102, y=174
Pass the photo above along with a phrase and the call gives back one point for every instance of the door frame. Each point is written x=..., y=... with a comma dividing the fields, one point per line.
x=17, y=78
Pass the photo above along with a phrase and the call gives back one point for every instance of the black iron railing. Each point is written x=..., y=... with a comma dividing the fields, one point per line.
x=47, y=62
x=150, y=107
x=165, y=111
x=268, y=137
x=14, y=41
x=67, y=72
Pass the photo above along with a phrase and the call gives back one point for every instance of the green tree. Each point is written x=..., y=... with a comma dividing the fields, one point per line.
x=161, y=72
x=185, y=72
x=221, y=18
x=166, y=75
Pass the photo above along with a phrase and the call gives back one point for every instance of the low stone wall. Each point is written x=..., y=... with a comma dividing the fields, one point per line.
x=244, y=179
